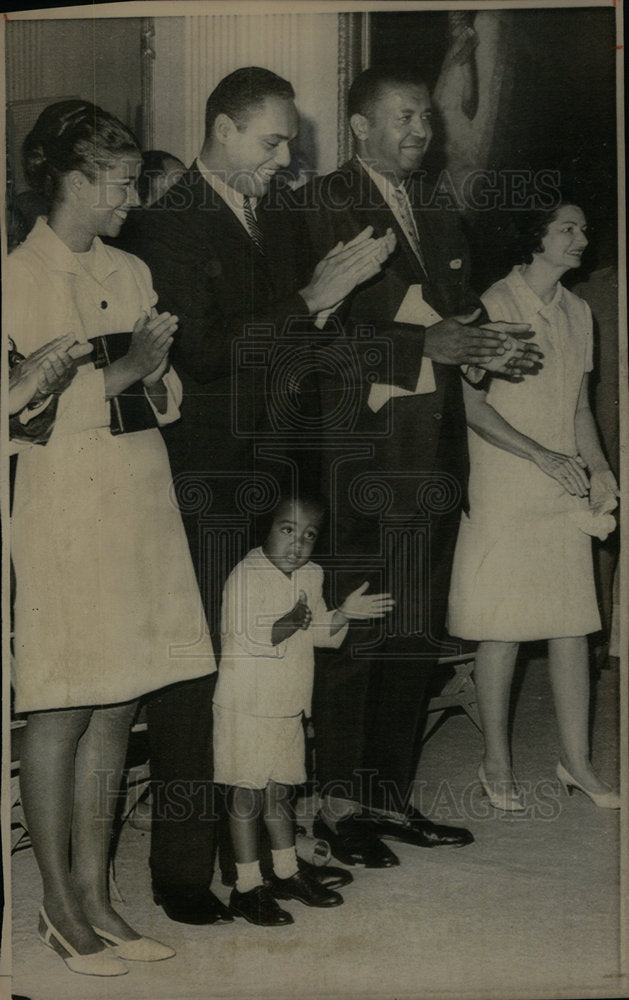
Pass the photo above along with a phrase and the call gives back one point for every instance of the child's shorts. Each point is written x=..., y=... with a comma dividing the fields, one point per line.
x=250, y=751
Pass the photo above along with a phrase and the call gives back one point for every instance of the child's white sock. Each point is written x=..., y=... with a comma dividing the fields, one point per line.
x=285, y=862
x=248, y=876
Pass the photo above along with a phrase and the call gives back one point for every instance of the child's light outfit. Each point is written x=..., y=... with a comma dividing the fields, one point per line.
x=263, y=691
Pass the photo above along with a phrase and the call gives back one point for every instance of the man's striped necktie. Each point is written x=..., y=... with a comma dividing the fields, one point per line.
x=252, y=224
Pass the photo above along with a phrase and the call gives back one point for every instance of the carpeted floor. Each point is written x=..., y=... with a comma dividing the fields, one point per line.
x=531, y=909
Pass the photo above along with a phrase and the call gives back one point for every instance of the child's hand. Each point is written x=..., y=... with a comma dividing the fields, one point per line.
x=361, y=605
x=301, y=613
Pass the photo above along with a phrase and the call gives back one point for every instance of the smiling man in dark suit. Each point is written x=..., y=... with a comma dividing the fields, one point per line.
x=234, y=266
x=396, y=478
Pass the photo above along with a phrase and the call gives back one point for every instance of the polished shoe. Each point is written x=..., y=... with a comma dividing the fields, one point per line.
x=326, y=875
x=141, y=949
x=191, y=904
x=258, y=907
x=355, y=843
x=97, y=963
x=604, y=800
x=304, y=889
x=507, y=799
x=415, y=829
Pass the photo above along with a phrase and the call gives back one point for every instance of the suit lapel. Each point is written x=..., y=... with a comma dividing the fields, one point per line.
x=370, y=200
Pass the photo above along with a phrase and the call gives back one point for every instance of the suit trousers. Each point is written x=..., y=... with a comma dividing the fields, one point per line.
x=370, y=697
x=185, y=804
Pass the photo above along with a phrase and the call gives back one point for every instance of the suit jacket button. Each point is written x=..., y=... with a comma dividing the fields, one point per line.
x=437, y=416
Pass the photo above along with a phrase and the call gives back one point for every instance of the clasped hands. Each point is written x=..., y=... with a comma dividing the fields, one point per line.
x=495, y=347
x=358, y=605
x=570, y=472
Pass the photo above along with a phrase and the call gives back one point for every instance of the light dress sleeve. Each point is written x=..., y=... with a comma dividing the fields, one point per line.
x=82, y=406
x=321, y=617
x=589, y=338
x=171, y=380
x=174, y=395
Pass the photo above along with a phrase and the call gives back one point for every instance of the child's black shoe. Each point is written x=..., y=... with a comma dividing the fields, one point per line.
x=258, y=907
x=304, y=888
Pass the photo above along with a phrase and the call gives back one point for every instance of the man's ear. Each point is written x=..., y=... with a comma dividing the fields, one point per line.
x=360, y=126
x=224, y=127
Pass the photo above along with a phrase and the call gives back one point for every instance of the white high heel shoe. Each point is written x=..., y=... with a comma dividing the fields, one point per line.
x=604, y=800
x=97, y=963
x=142, y=949
x=507, y=800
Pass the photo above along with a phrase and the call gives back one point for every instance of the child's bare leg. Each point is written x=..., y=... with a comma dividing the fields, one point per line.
x=279, y=821
x=245, y=807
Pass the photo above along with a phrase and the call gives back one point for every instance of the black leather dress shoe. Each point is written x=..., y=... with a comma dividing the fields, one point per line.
x=417, y=830
x=258, y=907
x=305, y=889
x=355, y=843
x=326, y=875
x=191, y=904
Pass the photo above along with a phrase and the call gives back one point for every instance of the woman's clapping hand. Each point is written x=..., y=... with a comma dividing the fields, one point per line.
x=150, y=343
x=47, y=371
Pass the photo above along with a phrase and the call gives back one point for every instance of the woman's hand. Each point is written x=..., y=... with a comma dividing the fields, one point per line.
x=151, y=341
x=569, y=471
x=604, y=492
x=361, y=605
x=47, y=371
x=345, y=266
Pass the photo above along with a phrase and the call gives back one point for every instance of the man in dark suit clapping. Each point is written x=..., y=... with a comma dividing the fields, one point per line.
x=396, y=472
x=234, y=265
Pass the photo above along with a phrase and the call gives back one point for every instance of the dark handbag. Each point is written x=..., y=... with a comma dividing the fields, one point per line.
x=130, y=410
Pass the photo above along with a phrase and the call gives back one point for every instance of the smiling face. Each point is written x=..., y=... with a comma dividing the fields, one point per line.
x=395, y=135
x=107, y=200
x=253, y=153
x=293, y=534
x=564, y=242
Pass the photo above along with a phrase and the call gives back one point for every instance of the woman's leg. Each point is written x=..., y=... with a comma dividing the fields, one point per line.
x=493, y=675
x=100, y=760
x=570, y=679
x=47, y=769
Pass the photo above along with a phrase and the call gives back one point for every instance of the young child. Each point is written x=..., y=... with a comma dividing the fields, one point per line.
x=273, y=617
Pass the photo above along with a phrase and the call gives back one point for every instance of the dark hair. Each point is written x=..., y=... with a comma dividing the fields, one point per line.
x=72, y=135
x=367, y=87
x=531, y=228
x=244, y=89
x=153, y=165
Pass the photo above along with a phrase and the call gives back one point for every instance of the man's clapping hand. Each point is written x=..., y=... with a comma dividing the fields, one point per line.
x=344, y=267
x=458, y=341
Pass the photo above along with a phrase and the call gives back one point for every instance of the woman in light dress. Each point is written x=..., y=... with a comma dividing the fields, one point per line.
x=107, y=606
x=540, y=487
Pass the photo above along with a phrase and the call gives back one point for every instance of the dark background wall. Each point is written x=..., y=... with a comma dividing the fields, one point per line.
x=558, y=111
